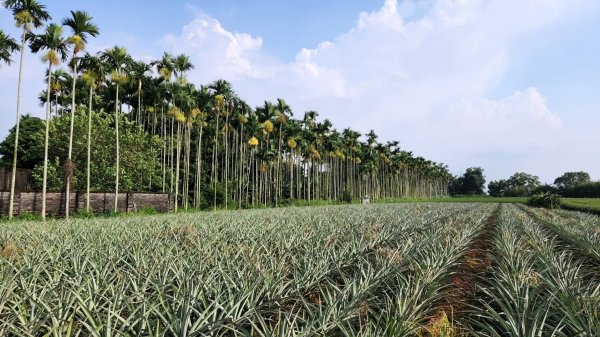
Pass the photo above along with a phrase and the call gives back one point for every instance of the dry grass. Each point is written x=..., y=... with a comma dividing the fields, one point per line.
x=10, y=250
x=390, y=254
x=441, y=326
x=185, y=230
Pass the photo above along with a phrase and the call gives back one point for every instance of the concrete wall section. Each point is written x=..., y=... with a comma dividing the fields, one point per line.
x=31, y=202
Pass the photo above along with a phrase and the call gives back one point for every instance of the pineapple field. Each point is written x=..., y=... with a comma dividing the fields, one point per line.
x=420, y=269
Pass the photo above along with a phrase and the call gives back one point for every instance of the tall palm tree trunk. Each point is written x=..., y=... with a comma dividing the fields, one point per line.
x=226, y=138
x=241, y=167
x=199, y=170
x=187, y=165
x=164, y=148
x=89, y=152
x=278, y=175
x=47, y=136
x=13, y=176
x=178, y=154
x=139, y=107
x=69, y=165
x=117, y=154
x=215, y=163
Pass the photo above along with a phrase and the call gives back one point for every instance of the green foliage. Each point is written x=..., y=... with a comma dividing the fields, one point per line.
x=31, y=143
x=346, y=197
x=55, y=181
x=83, y=214
x=472, y=182
x=545, y=189
x=139, y=155
x=208, y=198
x=585, y=190
x=572, y=179
x=590, y=205
x=28, y=216
x=519, y=184
x=546, y=200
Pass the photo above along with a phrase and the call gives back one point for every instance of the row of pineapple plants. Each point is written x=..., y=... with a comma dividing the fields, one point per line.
x=539, y=286
x=578, y=229
x=347, y=271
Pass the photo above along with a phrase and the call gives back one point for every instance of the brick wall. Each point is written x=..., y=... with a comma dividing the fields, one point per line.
x=31, y=202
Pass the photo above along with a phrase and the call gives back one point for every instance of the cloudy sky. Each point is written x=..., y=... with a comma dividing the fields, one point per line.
x=508, y=85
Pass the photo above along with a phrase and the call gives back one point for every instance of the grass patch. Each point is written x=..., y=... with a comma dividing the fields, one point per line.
x=475, y=199
x=591, y=205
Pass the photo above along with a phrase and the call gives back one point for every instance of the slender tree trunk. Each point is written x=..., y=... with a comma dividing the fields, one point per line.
x=89, y=151
x=13, y=175
x=187, y=164
x=241, y=167
x=199, y=171
x=69, y=165
x=47, y=136
x=226, y=136
x=278, y=176
x=139, y=109
x=172, y=156
x=178, y=154
x=164, y=142
x=117, y=143
x=215, y=159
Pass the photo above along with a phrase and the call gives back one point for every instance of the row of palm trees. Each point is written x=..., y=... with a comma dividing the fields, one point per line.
x=216, y=149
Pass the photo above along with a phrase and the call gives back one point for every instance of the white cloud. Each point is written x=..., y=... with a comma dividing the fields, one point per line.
x=518, y=124
x=216, y=51
x=424, y=81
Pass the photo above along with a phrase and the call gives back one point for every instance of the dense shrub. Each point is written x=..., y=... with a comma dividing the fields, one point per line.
x=587, y=190
x=346, y=197
x=472, y=182
x=546, y=200
x=520, y=184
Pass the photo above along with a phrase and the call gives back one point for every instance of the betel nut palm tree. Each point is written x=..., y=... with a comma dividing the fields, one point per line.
x=56, y=51
x=28, y=14
x=118, y=60
x=93, y=74
x=82, y=27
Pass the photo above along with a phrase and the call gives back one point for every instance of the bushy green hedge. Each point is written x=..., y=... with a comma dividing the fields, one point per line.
x=587, y=190
x=546, y=200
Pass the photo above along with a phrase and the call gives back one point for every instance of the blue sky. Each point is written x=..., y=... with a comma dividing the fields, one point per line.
x=508, y=85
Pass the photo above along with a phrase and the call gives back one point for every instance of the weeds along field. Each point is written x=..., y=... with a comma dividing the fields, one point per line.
x=361, y=270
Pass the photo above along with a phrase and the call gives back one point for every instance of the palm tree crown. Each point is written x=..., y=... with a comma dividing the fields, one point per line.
x=81, y=26
x=27, y=13
x=182, y=64
x=116, y=58
x=53, y=41
x=7, y=46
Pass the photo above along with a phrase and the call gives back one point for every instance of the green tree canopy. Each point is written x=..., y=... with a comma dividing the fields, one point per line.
x=139, y=170
x=31, y=143
x=572, y=179
x=472, y=182
x=519, y=184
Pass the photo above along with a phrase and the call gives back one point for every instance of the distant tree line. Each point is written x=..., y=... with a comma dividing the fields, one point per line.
x=521, y=184
x=569, y=184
